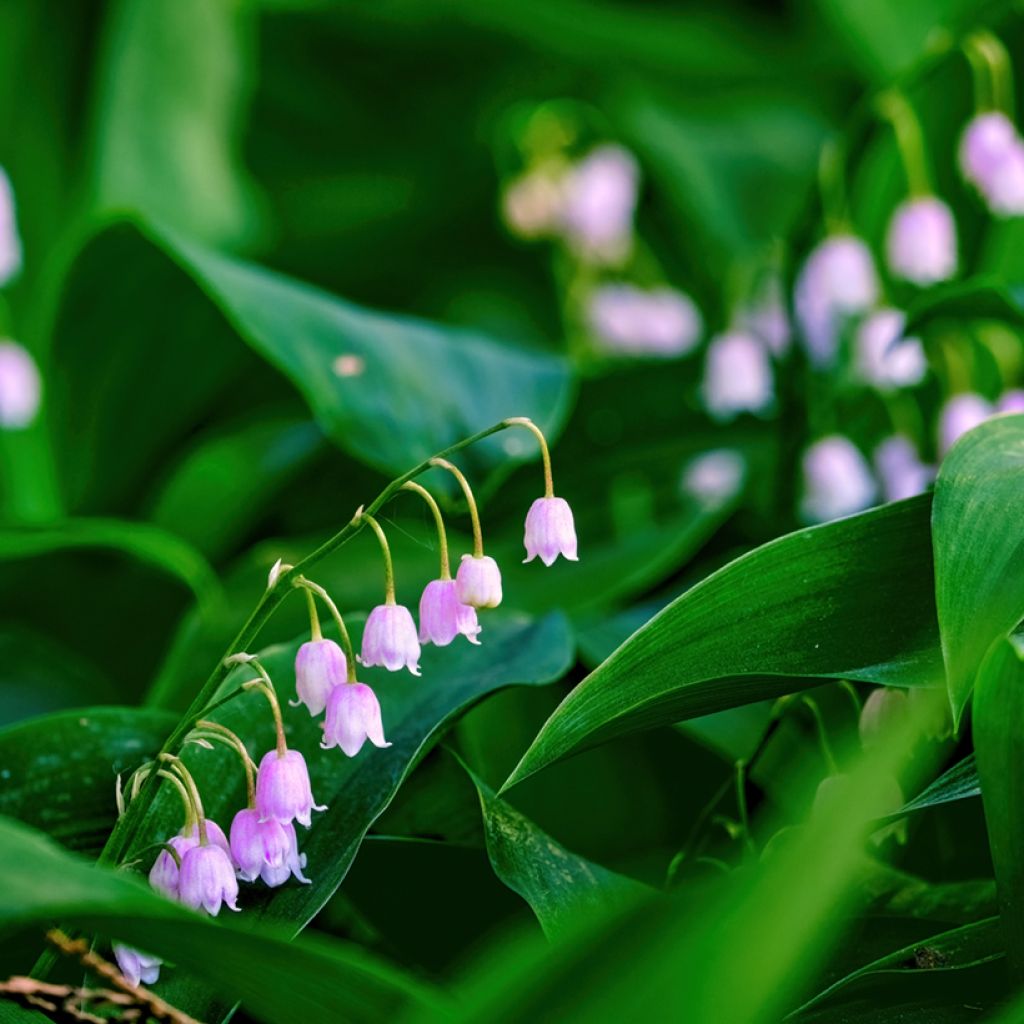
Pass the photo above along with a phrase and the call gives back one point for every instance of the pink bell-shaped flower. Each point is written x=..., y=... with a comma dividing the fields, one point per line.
x=884, y=357
x=265, y=849
x=20, y=386
x=837, y=480
x=598, y=200
x=353, y=717
x=163, y=876
x=320, y=665
x=900, y=470
x=443, y=616
x=550, y=531
x=960, y=414
x=389, y=639
x=207, y=879
x=737, y=376
x=986, y=142
x=283, y=790
x=921, y=241
x=136, y=966
x=478, y=582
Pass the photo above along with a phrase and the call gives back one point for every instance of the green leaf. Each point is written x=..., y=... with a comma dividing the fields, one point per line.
x=958, y=783
x=979, y=548
x=980, y=298
x=147, y=543
x=953, y=950
x=998, y=730
x=357, y=790
x=565, y=891
x=277, y=980
x=851, y=599
x=173, y=83
x=59, y=771
x=389, y=390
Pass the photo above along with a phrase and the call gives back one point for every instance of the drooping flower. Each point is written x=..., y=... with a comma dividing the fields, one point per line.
x=598, y=203
x=10, y=240
x=837, y=281
x=550, y=531
x=20, y=387
x=265, y=849
x=1004, y=190
x=1011, y=401
x=353, y=716
x=900, y=469
x=992, y=159
x=320, y=665
x=164, y=875
x=136, y=966
x=886, y=709
x=626, y=320
x=837, y=480
x=478, y=582
x=960, y=414
x=443, y=616
x=389, y=639
x=714, y=476
x=737, y=376
x=283, y=790
x=207, y=879
x=921, y=241
x=886, y=359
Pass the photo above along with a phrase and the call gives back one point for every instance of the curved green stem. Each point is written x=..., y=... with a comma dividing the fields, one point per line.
x=992, y=71
x=832, y=186
x=893, y=106
x=442, y=537
x=126, y=828
x=346, y=640
x=216, y=731
x=178, y=767
x=266, y=687
x=385, y=550
x=474, y=515
x=523, y=421
x=314, y=619
x=826, y=747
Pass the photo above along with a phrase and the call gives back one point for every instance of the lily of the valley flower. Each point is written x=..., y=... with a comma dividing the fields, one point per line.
x=737, y=376
x=884, y=357
x=353, y=717
x=265, y=849
x=20, y=387
x=283, y=790
x=443, y=616
x=837, y=480
x=921, y=242
x=320, y=665
x=207, y=880
x=136, y=966
x=164, y=874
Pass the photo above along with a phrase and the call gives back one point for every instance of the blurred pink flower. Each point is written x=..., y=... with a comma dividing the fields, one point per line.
x=737, y=376
x=632, y=321
x=884, y=358
x=837, y=480
x=598, y=202
x=921, y=241
x=20, y=386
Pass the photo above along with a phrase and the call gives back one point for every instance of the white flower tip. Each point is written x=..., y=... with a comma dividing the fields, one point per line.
x=240, y=658
x=275, y=571
x=415, y=670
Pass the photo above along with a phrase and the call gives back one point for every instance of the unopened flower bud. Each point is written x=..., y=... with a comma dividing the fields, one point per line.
x=550, y=531
x=737, y=376
x=960, y=414
x=389, y=639
x=532, y=204
x=884, y=357
x=478, y=582
x=265, y=849
x=837, y=480
x=20, y=387
x=921, y=241
x=320, y=665
x=353, y=717
x=283, y=790
x=886, y=709
x=137, y=967
x=208, y=879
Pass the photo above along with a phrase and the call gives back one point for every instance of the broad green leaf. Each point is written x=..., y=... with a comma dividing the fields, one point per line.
x=58, y=772
x=953, y=950
x=981, y=298
x=147, y=543
x=564, y=890
x=678, y=957
x=998, y=731
x=357, y=790
x=278, y=980
x=173, y=84
x=222, y=487
x=958, y=783
x=389, y=390
x=979, y=548
x=851, y=599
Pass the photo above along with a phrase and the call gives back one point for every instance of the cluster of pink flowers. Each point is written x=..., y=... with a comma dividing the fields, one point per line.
x=201, y=867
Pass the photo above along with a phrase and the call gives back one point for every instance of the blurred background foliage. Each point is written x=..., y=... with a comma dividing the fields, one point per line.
x=162, y=152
